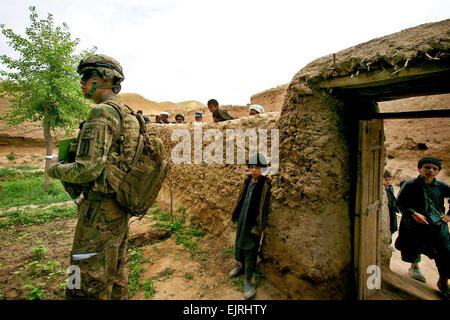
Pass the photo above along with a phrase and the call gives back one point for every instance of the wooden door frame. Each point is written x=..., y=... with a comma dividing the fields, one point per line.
x=444, y=113
x=366, y=207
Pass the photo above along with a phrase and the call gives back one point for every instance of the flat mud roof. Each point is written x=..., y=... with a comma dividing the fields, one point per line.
x=412, y=62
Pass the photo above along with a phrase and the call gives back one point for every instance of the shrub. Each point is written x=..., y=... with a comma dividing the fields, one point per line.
x=11, y=156
x=34, y=291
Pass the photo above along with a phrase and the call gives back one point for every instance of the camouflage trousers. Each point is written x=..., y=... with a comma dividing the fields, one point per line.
x=99, y=250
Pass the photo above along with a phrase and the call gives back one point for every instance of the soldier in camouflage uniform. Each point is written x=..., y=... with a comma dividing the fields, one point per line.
x=100, y=244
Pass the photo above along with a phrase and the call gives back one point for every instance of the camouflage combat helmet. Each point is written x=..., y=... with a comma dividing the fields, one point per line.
x=105, y=67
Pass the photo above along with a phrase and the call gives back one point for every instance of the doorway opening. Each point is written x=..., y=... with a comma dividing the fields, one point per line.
x=366, y=93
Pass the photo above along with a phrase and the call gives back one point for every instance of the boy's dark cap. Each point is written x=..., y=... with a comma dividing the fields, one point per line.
x=387, y=174
x=257, y=159
x=429, y=160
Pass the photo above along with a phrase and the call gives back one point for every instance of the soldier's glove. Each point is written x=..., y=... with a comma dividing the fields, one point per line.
x=74, y=190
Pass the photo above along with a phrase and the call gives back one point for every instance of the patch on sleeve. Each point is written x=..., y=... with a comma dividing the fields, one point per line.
x=84, y=147
x=87, y=137
x=88, y=132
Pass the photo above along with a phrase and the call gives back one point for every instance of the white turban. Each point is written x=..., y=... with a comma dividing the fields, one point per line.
x=164, y=113
x=258, y=108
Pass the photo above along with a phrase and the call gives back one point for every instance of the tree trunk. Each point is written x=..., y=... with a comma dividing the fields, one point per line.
x=49, y=148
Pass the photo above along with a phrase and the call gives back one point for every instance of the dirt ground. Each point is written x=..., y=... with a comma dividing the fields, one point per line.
x=179, y=275
x=399, y=277
x=200, y=277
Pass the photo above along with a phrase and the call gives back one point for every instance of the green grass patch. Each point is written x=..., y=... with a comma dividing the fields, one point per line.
x=28, y=189
x=188, y=236
x=149, y=289
x=257, y=279
x=135, y=261
x=20, y=171
x=39, y=216
x=37, y=274
x=38, y=250
x=228, y=251
x=167, y=272
x=34, y=292
x=238, y=282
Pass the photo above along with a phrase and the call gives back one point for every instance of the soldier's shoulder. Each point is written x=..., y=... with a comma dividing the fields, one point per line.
x=103, y=110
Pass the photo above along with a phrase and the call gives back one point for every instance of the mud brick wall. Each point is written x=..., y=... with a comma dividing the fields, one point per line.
x=208, y=191
x=307, y=251
x=309, y=245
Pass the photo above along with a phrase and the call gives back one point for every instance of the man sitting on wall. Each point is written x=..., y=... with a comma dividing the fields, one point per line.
x=255, y=109
x=164, y=117
x=146, y=119
x=179, y=118
x=199, y=116
x=423, y=227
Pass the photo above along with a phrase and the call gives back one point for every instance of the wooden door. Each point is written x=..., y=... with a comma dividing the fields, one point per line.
x=369, y=198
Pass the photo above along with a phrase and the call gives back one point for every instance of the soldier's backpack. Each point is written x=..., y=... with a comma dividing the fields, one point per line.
x=138, y=188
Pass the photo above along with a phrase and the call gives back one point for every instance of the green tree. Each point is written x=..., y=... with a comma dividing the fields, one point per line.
x=41, y=84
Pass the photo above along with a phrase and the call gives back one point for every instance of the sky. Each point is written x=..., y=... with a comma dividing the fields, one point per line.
x=180, y=50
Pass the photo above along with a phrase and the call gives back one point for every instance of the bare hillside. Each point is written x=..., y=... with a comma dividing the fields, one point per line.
x=31, y=134
x=138, y=102
x=407, y=140
x=271, y=99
